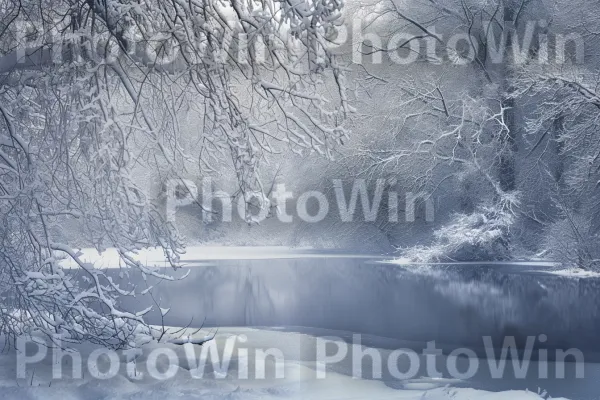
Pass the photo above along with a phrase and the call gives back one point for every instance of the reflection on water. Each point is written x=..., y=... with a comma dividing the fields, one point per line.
x=454, y=305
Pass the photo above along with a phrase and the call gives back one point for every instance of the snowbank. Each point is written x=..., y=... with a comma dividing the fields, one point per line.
x=195, y=255
x=298, y=383
x=576, y=273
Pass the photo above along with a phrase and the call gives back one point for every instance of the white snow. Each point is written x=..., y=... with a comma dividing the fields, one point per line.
x=195, y=255
x=549, y=267
x=575, y=273
x=299, y=381
x=535, y=263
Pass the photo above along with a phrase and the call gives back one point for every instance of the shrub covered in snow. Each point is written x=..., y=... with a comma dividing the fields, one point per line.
x=481, y=235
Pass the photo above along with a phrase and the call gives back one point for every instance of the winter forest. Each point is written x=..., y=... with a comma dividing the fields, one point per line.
x=422, y=131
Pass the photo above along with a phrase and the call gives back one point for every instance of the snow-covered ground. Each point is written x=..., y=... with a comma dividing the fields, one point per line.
x=525, y=263
x=199, y=255
x=196, y=255
x=548, y=267
x=575, y=273
x=299, y=380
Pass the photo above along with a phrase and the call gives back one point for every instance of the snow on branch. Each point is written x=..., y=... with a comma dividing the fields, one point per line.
x=101, y=95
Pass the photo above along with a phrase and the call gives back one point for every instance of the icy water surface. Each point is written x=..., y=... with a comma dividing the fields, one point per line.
x=450, y=304
x=454, y=305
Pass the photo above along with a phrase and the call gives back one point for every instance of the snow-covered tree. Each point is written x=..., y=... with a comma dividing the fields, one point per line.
x=525, y=60
x=565, y=124
x=454, y=131
x=90, y=90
